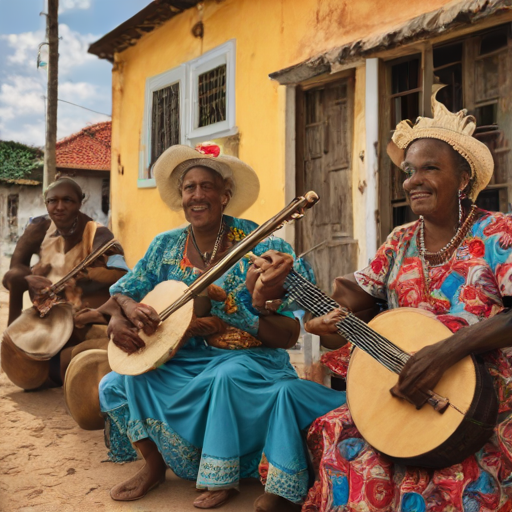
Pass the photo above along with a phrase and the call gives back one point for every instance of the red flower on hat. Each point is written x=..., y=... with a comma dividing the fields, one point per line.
x=208, y=150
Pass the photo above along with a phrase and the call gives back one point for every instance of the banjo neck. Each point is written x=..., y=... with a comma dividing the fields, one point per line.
x=312, y=299
x=294, y=211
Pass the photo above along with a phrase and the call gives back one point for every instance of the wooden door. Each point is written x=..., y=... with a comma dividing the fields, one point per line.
x=324, y=155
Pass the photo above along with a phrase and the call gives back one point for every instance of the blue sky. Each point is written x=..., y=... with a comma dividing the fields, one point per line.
x=83, y=78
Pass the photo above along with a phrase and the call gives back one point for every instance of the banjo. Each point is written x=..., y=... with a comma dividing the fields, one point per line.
x=462, y=410
x=40, y=332
x=172, y=300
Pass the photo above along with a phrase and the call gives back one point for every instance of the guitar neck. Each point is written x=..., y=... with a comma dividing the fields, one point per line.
x=312, y=299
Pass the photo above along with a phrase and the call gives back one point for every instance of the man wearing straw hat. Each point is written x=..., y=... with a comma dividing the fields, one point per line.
x=211, y=411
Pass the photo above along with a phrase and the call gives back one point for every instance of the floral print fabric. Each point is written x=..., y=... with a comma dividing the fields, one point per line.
x=210, y=411
x=468, y=288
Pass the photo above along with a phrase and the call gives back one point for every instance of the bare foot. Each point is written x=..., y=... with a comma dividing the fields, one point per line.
x=138, y=485
x=273, y=503
x=214, y=499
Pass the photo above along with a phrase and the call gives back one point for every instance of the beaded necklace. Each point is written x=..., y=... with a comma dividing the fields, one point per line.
x=434, y=259
x=72, y=229
x=206, y=256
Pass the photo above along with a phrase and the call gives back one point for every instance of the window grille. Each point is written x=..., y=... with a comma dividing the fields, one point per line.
x=212, y=96
x=165, y=120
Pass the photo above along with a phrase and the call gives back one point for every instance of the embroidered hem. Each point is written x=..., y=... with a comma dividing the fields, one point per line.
x=291, y=486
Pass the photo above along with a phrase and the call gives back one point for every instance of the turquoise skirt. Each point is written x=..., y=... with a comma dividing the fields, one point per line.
x=213, y=412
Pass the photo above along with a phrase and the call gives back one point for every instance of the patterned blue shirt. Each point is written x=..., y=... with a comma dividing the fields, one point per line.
x=164, y=261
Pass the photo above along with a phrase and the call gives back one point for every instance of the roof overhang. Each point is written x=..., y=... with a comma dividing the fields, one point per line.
x=128, y=33
x=20, y=181
x=451, y=16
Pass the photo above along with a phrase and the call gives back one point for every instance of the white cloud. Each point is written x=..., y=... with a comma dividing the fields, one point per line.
x=21, y=95
x=70, y=121
x=29, y=133
x=67, y=5
x=72, y=48
x=71, y=91
x=23, y=87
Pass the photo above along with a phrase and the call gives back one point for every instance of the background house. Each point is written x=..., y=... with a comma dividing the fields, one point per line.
x=21, y=177
x=85, y=157
x=342, y=74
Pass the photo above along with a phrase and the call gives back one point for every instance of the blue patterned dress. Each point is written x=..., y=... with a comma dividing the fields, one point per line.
x=213, y=412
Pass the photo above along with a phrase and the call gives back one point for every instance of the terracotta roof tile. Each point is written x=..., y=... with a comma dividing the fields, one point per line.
x=87, y=149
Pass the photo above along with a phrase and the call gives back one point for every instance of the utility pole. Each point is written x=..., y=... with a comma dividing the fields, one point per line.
x=52, y=34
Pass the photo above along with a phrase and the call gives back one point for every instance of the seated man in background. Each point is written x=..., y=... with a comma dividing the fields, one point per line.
x=62, y=239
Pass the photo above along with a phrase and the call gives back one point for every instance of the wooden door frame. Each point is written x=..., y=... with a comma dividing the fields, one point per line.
x=299, y=93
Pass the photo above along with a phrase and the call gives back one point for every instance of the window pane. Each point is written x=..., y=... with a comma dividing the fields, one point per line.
x=405, y=107
x=165, y=129
x=212, y=96
x=405, y=76
x=493, y=41
x=13, y=201
x=447, y=54
x=489, y=200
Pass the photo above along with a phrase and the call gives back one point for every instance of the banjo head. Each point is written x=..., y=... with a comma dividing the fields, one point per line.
x=165, y=342
x=391, y=425
x=42, y=338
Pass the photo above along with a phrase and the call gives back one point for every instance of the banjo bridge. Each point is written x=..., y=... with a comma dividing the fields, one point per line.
x=438, y=402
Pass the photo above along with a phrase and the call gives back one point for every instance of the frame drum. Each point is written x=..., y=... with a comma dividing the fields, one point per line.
x=165, y=342
x=42, y=338
x=23, y=371
x=81, y=388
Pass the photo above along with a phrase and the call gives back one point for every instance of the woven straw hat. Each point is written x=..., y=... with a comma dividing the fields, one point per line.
x=178, y=159
x=455, y=129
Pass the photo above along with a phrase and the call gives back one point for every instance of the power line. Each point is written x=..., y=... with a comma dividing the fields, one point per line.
x=85, y=108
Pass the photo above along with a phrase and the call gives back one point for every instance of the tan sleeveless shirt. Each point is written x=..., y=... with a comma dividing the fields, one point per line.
x=52, y=251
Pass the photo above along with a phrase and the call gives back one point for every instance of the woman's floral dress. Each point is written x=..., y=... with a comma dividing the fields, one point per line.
x=475, y=284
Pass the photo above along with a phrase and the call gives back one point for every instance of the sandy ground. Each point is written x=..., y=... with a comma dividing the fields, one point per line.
x=47, y=463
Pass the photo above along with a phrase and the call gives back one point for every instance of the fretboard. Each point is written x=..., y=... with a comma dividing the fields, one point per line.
x=312, y=299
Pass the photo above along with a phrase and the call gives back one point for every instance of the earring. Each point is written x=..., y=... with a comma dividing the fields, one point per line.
x=461, y=197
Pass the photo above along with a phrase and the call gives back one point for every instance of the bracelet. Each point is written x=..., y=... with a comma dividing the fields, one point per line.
x=270, y=307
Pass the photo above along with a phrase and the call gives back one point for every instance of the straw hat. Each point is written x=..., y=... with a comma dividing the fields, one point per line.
x=178, y=159
x=455, y=129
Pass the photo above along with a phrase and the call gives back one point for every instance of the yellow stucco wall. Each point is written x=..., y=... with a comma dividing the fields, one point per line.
x=270, y=35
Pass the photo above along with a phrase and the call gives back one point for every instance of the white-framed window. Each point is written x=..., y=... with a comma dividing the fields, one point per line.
x=164, y=119
x=212, y=94
x=189, y=104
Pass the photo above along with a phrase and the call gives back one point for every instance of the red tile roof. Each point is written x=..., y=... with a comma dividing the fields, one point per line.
x=87, y=149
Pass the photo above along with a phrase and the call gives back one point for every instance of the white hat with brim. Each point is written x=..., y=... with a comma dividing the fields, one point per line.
x=175, y=161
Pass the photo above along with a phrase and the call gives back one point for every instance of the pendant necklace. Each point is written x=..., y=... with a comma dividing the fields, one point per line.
x=206, y=257
x=72, y=229
x=435, y=259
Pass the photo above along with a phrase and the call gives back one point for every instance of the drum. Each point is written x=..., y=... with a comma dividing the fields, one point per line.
x=81, y=382
x=23, y=371
x=165, y=342
x=42, y=338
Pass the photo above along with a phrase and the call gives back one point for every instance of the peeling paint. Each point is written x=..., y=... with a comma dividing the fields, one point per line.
x=449, y=17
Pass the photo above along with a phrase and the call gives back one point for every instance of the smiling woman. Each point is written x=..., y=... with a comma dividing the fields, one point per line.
x=455, y=265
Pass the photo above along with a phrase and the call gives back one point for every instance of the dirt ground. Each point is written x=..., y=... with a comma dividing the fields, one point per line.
x=47, y=463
